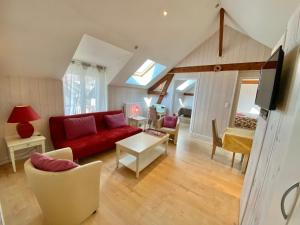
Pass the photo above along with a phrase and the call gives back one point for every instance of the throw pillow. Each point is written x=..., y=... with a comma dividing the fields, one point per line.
x=46, y=163
x=115, y=120
x=170, y=121
x=78, y=127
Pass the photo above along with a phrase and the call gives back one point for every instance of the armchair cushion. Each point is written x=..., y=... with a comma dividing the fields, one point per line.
x=170, y=122
x=78, y=127
x=46, y=163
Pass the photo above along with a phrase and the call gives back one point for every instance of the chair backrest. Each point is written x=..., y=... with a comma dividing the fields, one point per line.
x=216, y=139
x=152, y=115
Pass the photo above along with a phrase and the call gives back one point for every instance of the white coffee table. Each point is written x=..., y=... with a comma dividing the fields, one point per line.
x=142, y=149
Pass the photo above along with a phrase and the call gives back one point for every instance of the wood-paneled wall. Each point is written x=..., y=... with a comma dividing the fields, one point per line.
x=213, y=98
x=273, y=156
x=217, y=89
x=118, y=96
x=237, y=48
x=44, y=95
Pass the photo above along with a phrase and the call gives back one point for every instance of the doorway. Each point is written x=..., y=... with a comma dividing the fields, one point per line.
x=247, y=112
x=183, y=99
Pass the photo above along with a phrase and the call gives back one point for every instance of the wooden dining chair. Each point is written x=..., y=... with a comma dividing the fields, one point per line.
x=217, y=141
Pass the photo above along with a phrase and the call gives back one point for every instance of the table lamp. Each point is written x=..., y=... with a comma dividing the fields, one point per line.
x=22, y=115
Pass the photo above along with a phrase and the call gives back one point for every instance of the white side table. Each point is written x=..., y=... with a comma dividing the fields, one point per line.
x=15, y=143
x=137, y=120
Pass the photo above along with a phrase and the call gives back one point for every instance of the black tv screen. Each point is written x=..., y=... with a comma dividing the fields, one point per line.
x=268, y=88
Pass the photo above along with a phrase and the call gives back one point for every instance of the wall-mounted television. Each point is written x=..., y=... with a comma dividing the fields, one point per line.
x=268, y=88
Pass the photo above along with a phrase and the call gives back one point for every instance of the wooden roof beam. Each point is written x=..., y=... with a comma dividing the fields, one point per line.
x=221, y=31
x=223, y=67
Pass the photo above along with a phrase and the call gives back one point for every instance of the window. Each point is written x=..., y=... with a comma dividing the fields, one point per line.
x=147, y=65
x=84, y=89
x=146, y=73
x=185, y=85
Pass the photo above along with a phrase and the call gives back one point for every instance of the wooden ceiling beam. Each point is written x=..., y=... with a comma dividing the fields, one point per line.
x=188, y=94
x=159, y=82
x=156, y=93
x=221, y=31
x=165, y=88
x=222, y=67
x=250, y=81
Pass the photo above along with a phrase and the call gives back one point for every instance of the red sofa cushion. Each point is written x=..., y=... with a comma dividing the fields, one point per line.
x=78, y=127
x=170, y=121
x=115, y=121
x=46, y=163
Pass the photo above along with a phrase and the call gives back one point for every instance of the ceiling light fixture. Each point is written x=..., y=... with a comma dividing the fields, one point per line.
x=165, y=13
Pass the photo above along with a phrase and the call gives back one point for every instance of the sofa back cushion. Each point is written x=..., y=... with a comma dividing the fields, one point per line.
x=79, y=127
x=170, y=121
x=57, y=128
x=46, y=163
x=115, y=121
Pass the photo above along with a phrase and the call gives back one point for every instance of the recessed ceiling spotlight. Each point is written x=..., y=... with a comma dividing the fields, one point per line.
x=165, y=13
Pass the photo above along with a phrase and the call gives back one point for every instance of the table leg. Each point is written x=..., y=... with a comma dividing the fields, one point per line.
x=117, y=155
x=12, y=159
x=137, y=166
x=43, y=147
x=166, y=146
x=245, y=163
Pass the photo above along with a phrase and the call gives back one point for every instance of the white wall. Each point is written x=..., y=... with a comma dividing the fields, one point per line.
x=44, y=95
x=274, y=162
x=188, y=101
x=247, y=98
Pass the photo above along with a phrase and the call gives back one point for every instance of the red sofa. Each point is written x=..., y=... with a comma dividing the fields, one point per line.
x=88, y=145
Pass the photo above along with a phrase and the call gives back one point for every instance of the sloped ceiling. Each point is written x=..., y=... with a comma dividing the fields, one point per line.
x=95, y=51
x=39, y=38
x=263, y=20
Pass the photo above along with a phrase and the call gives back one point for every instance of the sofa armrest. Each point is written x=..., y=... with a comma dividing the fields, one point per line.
x=63, y=153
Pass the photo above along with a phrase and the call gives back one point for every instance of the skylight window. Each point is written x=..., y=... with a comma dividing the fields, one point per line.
x=146, y=73
x=147, y=65
x=185, y=85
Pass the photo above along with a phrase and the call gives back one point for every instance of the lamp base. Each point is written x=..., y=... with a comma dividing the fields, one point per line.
x=25, y=130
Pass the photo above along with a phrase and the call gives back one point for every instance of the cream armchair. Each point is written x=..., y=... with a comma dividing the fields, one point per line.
x=68, y=197
x=172, y=132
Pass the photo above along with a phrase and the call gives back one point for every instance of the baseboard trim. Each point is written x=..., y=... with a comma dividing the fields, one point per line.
x=203, y=138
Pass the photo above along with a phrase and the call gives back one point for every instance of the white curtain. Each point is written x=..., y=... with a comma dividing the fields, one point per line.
x=84, y=89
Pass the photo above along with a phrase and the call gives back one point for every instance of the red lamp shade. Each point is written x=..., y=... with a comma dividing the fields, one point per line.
x=22, y=115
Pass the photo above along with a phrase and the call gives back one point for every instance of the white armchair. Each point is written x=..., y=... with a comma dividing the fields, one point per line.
x=68, y=197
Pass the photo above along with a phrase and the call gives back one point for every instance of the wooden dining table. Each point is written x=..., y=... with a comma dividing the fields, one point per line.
x=239, y=140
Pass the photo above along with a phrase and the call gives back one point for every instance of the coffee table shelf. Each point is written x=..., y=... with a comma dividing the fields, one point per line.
x=146, y=159
x=142, y=149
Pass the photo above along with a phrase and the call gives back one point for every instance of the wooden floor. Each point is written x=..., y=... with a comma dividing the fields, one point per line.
x=184, y=188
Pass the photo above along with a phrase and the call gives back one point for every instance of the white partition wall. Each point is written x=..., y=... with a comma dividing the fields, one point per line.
x=213, y=99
